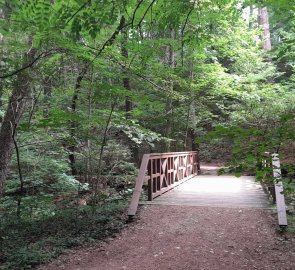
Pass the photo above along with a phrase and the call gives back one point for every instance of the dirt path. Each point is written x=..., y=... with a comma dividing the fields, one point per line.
x=190, y=238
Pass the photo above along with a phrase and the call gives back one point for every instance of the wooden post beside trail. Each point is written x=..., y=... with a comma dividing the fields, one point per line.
x=280, y=199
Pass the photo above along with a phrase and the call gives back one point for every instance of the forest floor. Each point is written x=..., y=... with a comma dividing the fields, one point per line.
x=189, y=238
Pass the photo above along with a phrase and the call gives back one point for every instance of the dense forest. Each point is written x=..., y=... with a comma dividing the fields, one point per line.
x=88, y=86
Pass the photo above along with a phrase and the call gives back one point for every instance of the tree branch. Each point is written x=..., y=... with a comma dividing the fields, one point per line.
x=183, y=28
x=187, y=17
x=108, y=42
x=82, y=7
x=141, y=20
x=40, y=56
x=138, y=75
x=136, y=8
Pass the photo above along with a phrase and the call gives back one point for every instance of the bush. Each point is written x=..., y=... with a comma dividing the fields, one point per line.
x=44, y=177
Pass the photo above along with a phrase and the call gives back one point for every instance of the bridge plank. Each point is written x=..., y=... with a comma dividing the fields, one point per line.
x=212, y=190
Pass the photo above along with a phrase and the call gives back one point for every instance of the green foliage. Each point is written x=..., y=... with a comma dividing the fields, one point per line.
x=139, y=134
x=27, y=244
x=45, y=175
x=253, y=138
x=189, y=68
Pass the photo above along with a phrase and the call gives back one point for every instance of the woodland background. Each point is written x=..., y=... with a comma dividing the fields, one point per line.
x=88, y=87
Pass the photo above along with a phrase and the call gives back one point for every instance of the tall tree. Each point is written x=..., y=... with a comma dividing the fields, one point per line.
x=126, y=79
x=264, y=23
x=15, y=108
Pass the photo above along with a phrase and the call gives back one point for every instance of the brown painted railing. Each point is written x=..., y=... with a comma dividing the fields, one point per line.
x=163, y=172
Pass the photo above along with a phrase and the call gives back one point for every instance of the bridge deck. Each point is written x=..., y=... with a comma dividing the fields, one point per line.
x=217, y=191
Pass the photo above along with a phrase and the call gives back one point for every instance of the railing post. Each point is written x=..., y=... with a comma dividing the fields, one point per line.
x=138, y=185
x=267, y=179
x=198, y=162
x=280, y=199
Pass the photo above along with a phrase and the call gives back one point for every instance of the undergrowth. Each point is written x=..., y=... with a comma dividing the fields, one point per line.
x=26, y=244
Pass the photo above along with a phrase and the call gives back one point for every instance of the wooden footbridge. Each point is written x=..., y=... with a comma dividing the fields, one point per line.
x=177, y=179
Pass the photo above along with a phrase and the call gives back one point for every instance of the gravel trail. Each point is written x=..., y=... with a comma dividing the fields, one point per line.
x=189, y=238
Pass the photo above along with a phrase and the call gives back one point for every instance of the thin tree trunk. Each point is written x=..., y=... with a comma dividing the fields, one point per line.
x=12, y=117
x=186, y=128
x=126, y=79
x=170, y=61
x=21, y=192
x=74, y=123
x=250, y=16
x=103, y=144
x=263, y=22
x=192, y=116
x=2, y=51
x=47, y=91
x=193, y=137
x=89, y=169
x=127, y=86
x=1, y=93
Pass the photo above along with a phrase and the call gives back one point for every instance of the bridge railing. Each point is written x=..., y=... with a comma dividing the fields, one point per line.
x=163, y=171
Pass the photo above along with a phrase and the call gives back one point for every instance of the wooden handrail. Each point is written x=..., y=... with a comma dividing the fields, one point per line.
x=163, y=171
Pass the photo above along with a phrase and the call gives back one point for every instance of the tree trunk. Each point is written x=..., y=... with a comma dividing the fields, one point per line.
x=47, y=91
x=250, y=16
x=2, y=52
x=127, y=85
x=1, y=93
x=12, y=117
x=74, y=123
x=193, y=137
x=126, y=80
x=170, y=61
x=263, y=22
